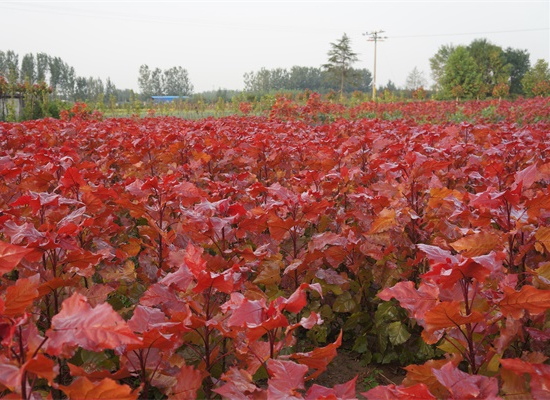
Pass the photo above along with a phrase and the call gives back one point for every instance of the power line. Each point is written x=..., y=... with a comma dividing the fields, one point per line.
x=374, y=37
x=469, y=33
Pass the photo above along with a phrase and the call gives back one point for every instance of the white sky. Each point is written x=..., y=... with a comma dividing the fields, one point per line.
x=217, y=42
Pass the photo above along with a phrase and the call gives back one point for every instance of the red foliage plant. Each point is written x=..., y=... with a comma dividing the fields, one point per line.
x=165, y=257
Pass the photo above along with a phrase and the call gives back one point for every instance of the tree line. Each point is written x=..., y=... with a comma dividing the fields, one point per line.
x=337, y=74
x=482, y=69
x=305, y=78
x=478, y=70
x=60, y=76
x=170, y=82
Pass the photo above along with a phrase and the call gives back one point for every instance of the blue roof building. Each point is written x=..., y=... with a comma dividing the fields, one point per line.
x=167, y=99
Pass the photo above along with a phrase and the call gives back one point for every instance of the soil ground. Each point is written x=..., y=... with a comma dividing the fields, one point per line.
x=346, y=366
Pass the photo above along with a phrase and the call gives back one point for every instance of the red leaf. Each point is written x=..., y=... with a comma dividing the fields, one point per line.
x=278, y=227
x=10, y=374
x=447, y=314
x=21, y=295
x=417, y=302
x=82, y=259
x=11, y=255
x=319, y=358
x=477, y=244
x=42, y=367
x=343, y=391
x=148, y=318
x=256, y=331
x=464, y=386
x=83, y=388
x=245, y=311
x=188, y=382
x=448, y=274
x=437, y=255
x=94, y=329
x=539, y=375
x=392, y=392
x=181, y=279
x=239, y=385
x=526, y=177
x=285, y=378
x=98, y=375
x=424, y=374
x=529, y=298
x=384, y=222
x=72, y=177
x=298, y=299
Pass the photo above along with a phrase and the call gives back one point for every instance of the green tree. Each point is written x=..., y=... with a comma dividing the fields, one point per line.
x=519, y=66
x=42, y=62
x=438, y=63
x=492, y=65
x=461, y=71
x=176, y=82
x=28, y=70
x=110, y=92
x=144, y=81
x=81, y=89
x=157, y=84
x=67, y=81
x=536, y=79
x=415, y=80
x=258, y=82
x=11, y=68
x=55, y=66
x=362, y=81
x=302, y=78
x=340, y=60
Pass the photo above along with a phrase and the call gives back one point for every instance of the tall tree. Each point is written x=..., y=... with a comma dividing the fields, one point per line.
x=519, y=66
x=362, y=81
x=491, y=64
x=110, y=91
x=176, y=82
x=66, y=84
x=55, y=66
x=461, y=78
x=81, y=89
x=2, y=64
x=42, y=61
x=415, y=80
x=144, y=81
x=302, y=78
x=259, y=82
x=340, y=60
x=157, y=84
x=28, y=70
x=12, y=66
x=438, y=63
x=536, y=81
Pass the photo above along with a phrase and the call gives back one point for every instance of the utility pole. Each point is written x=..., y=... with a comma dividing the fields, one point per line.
x=374, y=37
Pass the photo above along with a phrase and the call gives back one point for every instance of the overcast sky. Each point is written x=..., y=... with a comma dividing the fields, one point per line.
x=218, y=41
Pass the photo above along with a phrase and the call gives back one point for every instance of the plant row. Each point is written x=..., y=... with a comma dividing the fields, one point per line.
x=160, y=257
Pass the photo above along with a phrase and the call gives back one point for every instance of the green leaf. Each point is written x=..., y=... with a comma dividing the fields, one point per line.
x=326, y=312
x=398, y=333
x=317, y=334
x=361, y=344
x=382, y=342
x=336, y=289
x=425, y=351
x=386, y=311
x=361, y=319
x=344, y=303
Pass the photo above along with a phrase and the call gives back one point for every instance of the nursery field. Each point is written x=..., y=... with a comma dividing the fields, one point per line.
x=234, y=258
